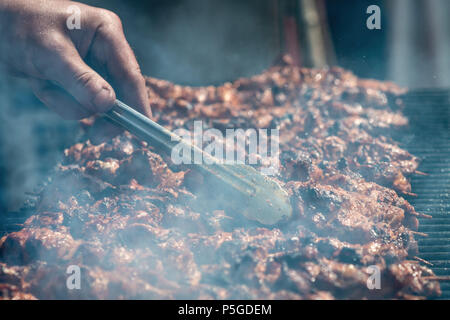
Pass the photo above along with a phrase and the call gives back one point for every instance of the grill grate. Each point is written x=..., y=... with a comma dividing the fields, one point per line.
x=12, y=221
x=429, y=139
x=429, y=115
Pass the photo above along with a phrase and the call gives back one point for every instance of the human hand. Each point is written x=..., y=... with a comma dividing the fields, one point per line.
x=72, y=71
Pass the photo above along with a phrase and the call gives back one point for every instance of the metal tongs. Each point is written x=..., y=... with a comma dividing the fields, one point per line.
x=242, y=189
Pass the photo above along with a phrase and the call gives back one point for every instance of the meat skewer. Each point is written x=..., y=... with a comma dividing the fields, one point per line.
x=241, y=187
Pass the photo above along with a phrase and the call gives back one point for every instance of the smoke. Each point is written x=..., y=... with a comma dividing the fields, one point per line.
x=31, y=141
x=199, y=42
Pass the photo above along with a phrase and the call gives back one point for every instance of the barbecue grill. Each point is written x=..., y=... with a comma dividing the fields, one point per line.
x=427, y=138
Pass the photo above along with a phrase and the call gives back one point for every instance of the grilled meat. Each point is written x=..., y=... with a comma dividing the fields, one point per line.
x=129, y=218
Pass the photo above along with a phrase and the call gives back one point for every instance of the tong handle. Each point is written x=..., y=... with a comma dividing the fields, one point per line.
x=143, y=127
x=159, y=137
x=242, y=188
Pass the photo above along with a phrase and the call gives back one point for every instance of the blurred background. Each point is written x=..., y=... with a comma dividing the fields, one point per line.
x=208, y=42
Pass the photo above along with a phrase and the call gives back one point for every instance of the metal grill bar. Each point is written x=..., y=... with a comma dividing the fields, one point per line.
x=12, y=221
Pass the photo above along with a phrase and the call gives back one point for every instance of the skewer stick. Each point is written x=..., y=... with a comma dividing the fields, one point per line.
x=437, y=278
x=423, y=260
x=426, y=216
x=419, y=233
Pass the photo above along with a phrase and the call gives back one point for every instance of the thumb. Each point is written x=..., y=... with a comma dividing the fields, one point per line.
x=71, y=73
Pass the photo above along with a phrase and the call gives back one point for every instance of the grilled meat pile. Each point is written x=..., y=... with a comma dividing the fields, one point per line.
x=129, y=219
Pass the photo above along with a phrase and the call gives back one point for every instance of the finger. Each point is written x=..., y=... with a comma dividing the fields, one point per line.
x=58, y=100
x=111, y=48
x=67, y=107
x=63, y=65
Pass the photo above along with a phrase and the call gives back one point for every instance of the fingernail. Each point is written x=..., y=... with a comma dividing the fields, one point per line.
x=104, y=99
